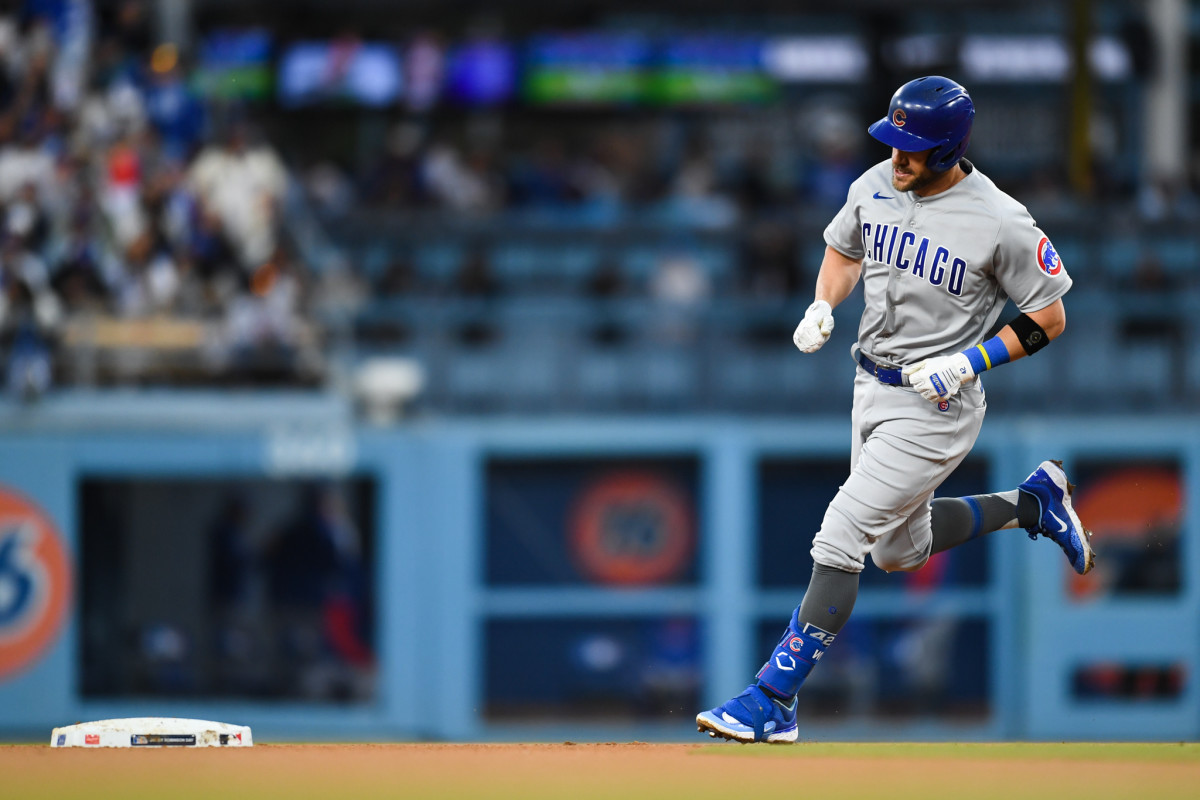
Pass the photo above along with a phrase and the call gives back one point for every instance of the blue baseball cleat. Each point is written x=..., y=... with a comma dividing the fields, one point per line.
x=1058, y=520
x=752, y=716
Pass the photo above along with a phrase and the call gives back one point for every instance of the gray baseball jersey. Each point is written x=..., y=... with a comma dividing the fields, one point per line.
x=937, y=270
x=936, y=273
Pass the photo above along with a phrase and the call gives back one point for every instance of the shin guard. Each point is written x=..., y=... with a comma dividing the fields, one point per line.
x=794, y=657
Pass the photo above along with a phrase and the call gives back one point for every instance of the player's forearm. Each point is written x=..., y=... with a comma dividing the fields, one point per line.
x=837, y=277
x=939, y=378
x=1022, y=337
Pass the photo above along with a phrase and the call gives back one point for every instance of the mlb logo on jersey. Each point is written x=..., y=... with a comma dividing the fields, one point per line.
x=1047, y=258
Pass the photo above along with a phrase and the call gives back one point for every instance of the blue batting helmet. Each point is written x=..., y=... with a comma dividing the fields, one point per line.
x=930, y=113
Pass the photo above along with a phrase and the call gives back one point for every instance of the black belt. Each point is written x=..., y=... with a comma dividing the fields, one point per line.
x=892, y=377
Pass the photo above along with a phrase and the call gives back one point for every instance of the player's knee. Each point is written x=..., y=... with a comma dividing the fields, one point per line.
x=899, y=562
x=829, y=554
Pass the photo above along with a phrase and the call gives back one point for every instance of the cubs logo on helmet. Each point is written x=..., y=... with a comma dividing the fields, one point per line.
x=899, y=117
x=35, y=582
x=1047, y=258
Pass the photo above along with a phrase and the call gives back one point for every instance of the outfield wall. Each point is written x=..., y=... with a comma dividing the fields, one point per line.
x=571, y=579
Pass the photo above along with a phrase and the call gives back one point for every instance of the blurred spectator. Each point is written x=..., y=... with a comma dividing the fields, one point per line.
x=79, y=278
x=697, y=196
x=121, y=197
x=265, y=339
x=212, y=253
x=396, y=179
x=128, y=24
x=26, y=220
x=242, y=183
x=30, y=314
x=461, y=184
x=329, y=188
x=679, y=281
x=835, y=139
x=679, y=287
x=151, y=281
x=542, y=177
x=24, y=162
x=172, y=108
x=1167, y=197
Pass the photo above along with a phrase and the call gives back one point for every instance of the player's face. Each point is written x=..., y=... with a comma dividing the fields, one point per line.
x=911, y=172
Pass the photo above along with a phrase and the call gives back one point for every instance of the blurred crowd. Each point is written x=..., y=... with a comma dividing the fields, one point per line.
x=126, y=196
x=123, y=196
x=180, y=226
x=703, y=172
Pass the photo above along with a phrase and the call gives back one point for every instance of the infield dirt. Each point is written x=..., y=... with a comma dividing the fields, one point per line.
x=627, y=770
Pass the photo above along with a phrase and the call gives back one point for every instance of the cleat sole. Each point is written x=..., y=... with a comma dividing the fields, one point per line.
x=714, y=732
x=1091, y=554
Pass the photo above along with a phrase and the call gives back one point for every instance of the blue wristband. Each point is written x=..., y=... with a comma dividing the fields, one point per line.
x=991, y=353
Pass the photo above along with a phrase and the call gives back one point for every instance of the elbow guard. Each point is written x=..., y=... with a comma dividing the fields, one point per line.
x=1029, y=334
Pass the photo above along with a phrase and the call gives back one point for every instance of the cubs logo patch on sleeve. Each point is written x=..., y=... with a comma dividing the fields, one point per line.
x=1047, y=258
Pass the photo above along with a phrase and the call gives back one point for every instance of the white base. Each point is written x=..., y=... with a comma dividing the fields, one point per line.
x=151, y=732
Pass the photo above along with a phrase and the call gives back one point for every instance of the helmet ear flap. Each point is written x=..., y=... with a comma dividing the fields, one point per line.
x=948, y=154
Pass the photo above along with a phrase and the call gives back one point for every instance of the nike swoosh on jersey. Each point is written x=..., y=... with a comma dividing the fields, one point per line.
x=879, y=196
x=1062, y=526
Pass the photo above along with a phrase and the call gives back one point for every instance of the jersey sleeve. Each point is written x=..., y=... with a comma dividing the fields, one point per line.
x=1027, y=266
x=844, y=232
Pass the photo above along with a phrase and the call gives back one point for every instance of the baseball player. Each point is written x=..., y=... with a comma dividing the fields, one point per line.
x=939, y=250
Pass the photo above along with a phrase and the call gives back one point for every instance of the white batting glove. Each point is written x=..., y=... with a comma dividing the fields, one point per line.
x=813, y=331
x=939, y=379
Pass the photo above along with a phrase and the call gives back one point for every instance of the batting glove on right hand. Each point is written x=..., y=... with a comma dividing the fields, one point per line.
x=814, y=329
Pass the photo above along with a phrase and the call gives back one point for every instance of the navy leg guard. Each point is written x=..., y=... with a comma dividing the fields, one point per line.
x=796, y=654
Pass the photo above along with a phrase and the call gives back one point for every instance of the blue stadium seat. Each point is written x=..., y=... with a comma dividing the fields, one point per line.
x=439, y=260
x=1179, y=256
x=1119, y=256
x=1145, y=371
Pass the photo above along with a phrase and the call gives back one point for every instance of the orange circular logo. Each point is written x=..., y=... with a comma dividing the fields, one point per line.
x=35, y=582
x=632, y=528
